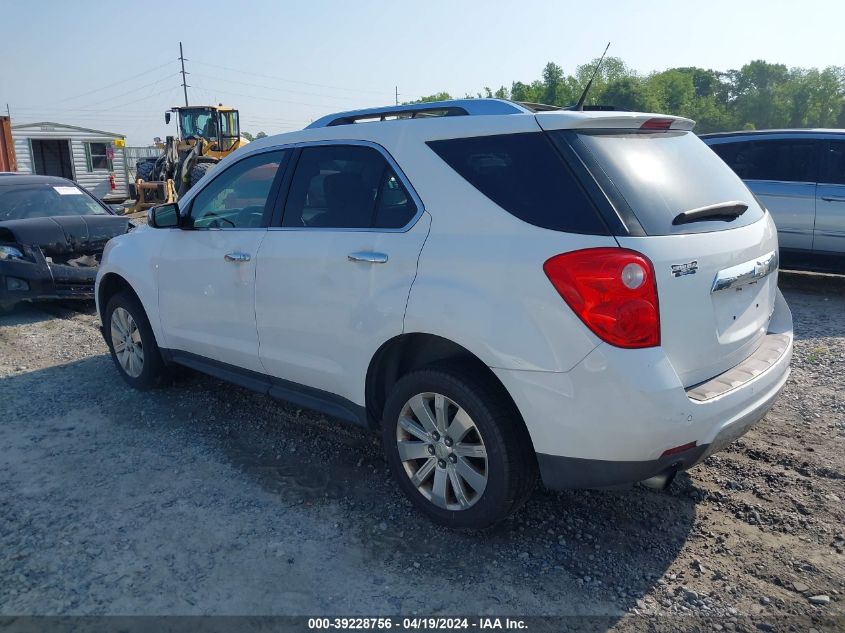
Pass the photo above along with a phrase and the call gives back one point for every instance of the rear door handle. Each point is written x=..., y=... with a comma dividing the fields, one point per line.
x=367, y=256
x=237, y=257
x=833, y=198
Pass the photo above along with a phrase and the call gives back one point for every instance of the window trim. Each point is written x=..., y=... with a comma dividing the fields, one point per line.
x=276, y=222
x=272, y=195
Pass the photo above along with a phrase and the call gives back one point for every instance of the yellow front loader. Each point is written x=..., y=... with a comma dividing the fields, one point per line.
x=205, y=135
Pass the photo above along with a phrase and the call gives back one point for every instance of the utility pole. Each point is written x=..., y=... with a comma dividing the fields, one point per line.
x=184, y=83
x=8, y=112
x=397, y=95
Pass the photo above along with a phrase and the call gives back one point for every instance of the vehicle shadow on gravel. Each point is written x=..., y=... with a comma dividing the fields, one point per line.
x=601, y=551
x=606, y=549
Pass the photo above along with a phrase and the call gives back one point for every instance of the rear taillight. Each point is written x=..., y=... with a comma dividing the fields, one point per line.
x=613, y=291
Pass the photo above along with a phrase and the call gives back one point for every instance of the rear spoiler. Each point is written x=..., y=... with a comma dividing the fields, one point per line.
x=611, y=120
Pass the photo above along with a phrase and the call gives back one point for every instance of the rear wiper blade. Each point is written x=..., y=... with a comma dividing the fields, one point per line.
x=726, y=211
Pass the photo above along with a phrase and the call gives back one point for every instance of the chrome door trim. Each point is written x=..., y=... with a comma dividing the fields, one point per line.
x=745, y=273
x=367, y=256
x=237, y=257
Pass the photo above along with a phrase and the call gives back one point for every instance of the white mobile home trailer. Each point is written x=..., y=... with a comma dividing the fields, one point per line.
x=92, y=158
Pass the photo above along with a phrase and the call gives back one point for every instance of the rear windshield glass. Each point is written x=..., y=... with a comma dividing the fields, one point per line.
x=21, y=202
x=659, y=175
x=524, y=175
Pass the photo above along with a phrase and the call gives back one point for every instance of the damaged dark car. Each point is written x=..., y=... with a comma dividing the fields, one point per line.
x=52, y=236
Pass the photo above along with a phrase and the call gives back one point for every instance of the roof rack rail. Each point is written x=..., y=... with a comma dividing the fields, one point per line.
x=452, y=107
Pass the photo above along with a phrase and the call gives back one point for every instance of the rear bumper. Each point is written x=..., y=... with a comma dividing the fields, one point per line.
x=560, y=472
x=609, y=420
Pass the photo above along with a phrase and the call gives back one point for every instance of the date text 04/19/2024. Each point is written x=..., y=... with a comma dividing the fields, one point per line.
x=417, y=623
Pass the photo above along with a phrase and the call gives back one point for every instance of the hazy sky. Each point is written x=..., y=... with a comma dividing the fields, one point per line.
x=284, y=64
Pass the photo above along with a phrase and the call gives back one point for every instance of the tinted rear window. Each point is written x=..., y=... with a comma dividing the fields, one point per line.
x=794, y=160
x=524, y=175
x=659, y=175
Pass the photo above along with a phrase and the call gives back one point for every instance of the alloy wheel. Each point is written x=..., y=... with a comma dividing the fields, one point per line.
x=442, y=451
x=126, y=341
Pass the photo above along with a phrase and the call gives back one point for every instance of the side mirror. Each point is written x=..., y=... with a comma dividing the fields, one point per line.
x=167, y=118
x=164, y=216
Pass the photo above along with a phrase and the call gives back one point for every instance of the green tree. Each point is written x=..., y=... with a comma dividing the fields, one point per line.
x=502, y=93
x=555, y=89
x=437, y=96
x=758, y=95
x=673, y=90
x=630, y=93
x=248, y=136
x=816, y=96
x=762, y=95
x=260, y=135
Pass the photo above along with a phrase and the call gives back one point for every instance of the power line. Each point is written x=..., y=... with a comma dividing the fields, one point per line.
x=116, y=83
x=251, y=85
x=94, y=113
x=248, y=96
x=139, y=88
x=294, y=81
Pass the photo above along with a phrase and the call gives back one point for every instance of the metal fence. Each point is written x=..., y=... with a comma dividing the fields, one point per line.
x=134, y=154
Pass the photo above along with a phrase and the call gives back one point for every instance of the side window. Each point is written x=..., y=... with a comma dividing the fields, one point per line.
x=524, y=175
x=736, y=155
x=786, y=160
x=833, y=165
x=394, y=207
x=237, y=196
x=346, y=186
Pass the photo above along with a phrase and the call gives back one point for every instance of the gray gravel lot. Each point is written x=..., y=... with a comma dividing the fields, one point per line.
x=203, y=498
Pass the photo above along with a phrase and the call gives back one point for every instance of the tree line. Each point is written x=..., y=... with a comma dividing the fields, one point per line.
x=760, y=95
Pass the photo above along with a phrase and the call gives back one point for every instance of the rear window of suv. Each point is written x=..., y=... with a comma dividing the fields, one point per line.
x=524, y=175
x=655, y=176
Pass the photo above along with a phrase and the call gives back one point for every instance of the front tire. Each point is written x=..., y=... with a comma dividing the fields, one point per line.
x=131, y=341
x=457, y=447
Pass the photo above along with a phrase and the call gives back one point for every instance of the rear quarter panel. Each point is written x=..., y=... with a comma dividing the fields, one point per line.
x=480, y=280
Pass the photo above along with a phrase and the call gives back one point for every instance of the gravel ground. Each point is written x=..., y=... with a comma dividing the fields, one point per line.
x=203, y=498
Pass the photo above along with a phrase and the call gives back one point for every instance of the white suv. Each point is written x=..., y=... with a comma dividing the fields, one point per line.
x=499, y=289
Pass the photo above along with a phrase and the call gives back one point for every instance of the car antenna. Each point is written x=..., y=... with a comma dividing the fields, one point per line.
x=580, y=105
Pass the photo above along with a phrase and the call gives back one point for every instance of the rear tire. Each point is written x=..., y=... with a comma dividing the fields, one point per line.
x=199, y=170
x=477, y=472
x=131, y=341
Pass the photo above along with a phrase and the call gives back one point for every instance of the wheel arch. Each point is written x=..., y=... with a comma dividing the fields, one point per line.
x=410, y=351
x=110, y=285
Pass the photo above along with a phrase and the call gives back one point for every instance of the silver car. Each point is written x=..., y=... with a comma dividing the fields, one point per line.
x=799, y=175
